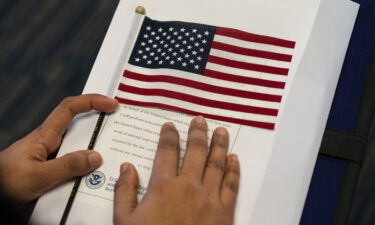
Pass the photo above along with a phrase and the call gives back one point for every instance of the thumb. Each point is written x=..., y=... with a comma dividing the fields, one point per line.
x=125, y=193
x=68, y=166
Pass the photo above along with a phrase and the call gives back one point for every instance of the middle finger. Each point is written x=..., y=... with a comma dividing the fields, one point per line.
x=196, y=149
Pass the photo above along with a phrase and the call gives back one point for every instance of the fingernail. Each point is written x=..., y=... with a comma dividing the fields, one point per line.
x=200, y=119
x=124, y=168
x=170, y=124
x=221, y=131
x=234, y=158
x=115, y=101
x=95, y=159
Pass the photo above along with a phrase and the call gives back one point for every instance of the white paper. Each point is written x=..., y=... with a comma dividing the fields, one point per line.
x=289, y=19
x=301, y=128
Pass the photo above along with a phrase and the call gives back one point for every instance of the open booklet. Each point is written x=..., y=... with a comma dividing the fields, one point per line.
x=252, y=78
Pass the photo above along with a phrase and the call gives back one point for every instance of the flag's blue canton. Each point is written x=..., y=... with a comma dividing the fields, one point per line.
x=175, y=45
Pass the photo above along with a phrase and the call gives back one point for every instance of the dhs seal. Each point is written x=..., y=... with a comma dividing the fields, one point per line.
x=95, y=180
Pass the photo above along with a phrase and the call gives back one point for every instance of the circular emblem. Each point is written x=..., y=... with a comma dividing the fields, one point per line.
x=95, y=180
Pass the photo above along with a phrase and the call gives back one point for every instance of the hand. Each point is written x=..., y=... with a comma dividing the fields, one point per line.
x=25, y=172
x=203, y=192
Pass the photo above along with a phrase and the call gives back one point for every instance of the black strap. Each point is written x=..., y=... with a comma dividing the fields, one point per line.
x=342, y=145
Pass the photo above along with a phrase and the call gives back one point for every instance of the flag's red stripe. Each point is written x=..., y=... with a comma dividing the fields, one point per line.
x=251, y=52
x=248, y=66
x=198, y=100
x=264, y=125
x=202, y=86
x=243, y=80
x=245, y=36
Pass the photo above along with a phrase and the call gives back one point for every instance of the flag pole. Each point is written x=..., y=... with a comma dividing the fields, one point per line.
x=140, y=10
x=140, y=13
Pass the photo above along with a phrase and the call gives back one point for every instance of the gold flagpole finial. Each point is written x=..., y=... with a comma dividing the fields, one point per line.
x=140, y=10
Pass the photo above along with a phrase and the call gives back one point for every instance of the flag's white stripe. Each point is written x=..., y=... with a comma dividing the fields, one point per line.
x=253, y=45
x=207, y=80
x=195, y=107
x=249, y=59
x=245, y=73
x=200, y=93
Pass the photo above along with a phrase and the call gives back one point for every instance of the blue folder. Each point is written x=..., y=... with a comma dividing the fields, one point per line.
x=331, y=193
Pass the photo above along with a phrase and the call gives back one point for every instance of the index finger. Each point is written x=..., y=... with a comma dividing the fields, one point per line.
x=58, y=121
x=167, y=154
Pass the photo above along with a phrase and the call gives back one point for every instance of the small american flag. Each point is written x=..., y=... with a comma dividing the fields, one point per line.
x=221, y=73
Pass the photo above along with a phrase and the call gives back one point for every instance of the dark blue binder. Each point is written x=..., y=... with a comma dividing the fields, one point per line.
x=329, y=198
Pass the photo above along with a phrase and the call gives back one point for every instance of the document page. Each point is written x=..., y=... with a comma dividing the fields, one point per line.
x=131, y=135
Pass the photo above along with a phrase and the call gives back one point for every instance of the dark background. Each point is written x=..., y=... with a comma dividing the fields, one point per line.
x=47, y=49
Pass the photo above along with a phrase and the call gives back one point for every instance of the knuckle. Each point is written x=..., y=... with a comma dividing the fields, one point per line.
x=217, y=165
x=168, y=144
x=123, y=182
x=197, y=146
x=194, y=125
x=161, y=186
x=74, y=164
x=66, y=104
x=231, y=185
x=39, y=132
x=219, y=145
x=67, y=101
x=197, y=136
x=162, y=178
x=211, y=202
x=197, y=130
x=234, y=170
x=199, y=142
x=169, y=138
x=190, y=186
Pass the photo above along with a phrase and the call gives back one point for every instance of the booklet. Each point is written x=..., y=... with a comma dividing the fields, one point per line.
x=253, y=69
